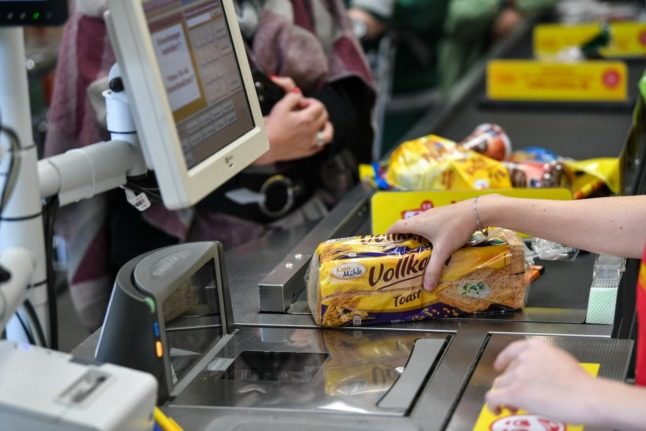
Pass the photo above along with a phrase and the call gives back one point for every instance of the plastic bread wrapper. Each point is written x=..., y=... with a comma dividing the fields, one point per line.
x=378, y=279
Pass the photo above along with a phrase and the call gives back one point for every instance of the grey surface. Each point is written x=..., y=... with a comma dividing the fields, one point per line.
x=309, y=370
x=424, y=356
x=253, y=420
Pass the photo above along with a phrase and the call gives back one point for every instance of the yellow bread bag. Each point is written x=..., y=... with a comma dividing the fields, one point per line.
x=378, y=279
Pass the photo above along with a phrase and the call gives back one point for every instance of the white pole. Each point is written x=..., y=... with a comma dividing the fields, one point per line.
x=21, y=222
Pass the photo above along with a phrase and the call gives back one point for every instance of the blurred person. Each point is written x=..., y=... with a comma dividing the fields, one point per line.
x=409, y=86
x=472, y=26
x=418, y=26
x=437, y=42
x=535, y=375
x=318, y=128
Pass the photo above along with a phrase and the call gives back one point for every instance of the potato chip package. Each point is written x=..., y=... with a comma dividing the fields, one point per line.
x=435, y=163
x=377, y=279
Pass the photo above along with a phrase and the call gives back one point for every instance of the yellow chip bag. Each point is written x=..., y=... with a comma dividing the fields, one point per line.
x=436, y=163
x=589, y=175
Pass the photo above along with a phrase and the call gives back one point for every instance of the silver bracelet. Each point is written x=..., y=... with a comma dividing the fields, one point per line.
x=477, y=215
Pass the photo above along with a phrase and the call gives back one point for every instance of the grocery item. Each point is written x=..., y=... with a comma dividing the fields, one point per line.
x=378, y=279
x=489, y=139
x=534, y=154
x=533, y=174
x=588, y=176
x=435, y=163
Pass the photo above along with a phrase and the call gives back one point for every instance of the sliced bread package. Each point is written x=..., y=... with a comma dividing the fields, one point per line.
x=375, y=279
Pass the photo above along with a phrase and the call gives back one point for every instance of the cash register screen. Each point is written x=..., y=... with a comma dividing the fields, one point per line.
x=200, y=73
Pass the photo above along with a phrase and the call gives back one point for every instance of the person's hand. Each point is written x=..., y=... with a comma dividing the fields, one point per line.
x=448, y=228
x=372, y=26
x=542, y=379
x=508, y=19
x=285, y=82
x=297, y=127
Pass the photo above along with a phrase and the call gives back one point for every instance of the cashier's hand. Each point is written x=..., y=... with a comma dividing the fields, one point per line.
x=448, y=228
x=542, y=379
x=297, y=127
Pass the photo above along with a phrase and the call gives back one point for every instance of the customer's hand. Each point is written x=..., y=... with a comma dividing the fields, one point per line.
x=542, y=379
x=447, y=227
x=297, y=127
x=506, y=22
x=285, y=82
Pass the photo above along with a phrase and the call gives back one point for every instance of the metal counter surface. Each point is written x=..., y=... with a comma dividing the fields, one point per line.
x=451, y=398
x=550, y=299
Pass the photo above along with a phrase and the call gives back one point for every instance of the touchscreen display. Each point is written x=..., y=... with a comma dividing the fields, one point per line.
x=201, y=75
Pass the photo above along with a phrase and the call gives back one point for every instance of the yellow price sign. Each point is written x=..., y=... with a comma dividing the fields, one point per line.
x=628, y=39
x=529, y=80
x=522, y=420
x=388, y=207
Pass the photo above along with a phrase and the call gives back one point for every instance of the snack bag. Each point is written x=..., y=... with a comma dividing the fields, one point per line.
x=590, y=175
x=378, y=279
x=432, y=162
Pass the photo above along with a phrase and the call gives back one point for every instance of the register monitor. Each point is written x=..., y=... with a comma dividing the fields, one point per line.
x=187, y=77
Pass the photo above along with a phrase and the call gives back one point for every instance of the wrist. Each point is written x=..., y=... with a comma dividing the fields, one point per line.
x=486, y=209
x=596, y=407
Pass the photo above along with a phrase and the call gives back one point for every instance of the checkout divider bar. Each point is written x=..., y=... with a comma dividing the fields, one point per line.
x=282, y=286
x=422, y=360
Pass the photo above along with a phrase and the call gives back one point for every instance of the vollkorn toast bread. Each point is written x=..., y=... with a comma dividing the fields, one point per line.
x=378, y=279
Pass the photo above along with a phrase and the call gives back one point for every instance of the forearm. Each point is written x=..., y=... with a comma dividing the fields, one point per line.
x=616, y=405
x=615, y=226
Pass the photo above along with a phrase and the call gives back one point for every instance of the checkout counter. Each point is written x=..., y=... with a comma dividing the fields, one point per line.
x=278, y=371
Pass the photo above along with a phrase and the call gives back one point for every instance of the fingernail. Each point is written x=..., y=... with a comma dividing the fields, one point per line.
x=430, y=286
x=296, y=90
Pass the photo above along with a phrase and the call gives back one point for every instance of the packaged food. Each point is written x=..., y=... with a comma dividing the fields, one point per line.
x=489, y=139
x=436, y=163
x=378, y=279
x=533, y=174
x=534, y=154
x=588, y=176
